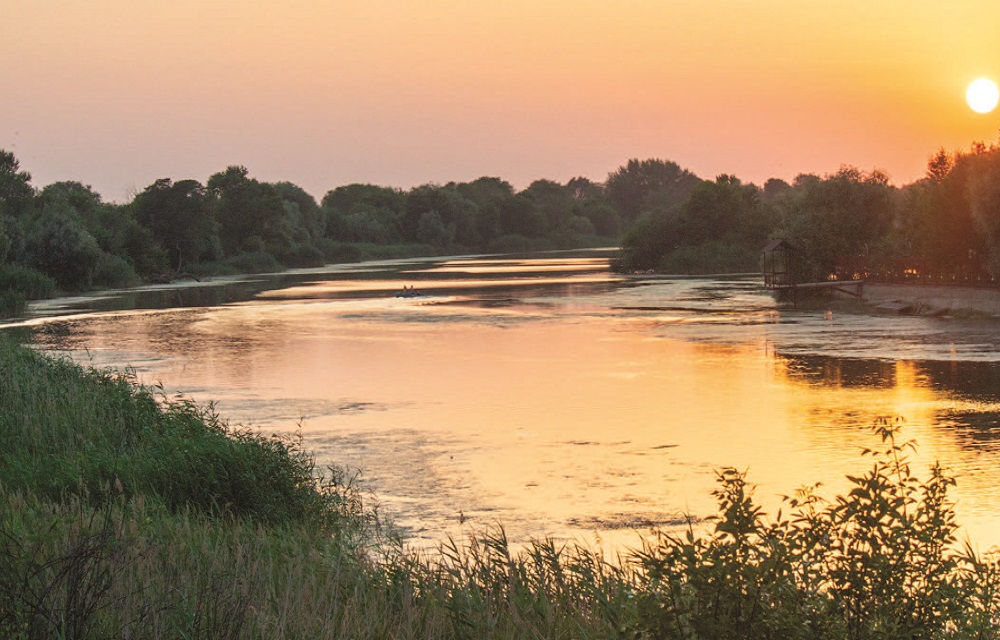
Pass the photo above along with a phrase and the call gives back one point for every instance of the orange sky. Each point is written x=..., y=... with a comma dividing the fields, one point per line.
x=118, y=93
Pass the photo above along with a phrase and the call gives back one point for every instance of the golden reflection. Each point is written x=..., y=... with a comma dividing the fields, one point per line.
x=837, y=399
x=328, y=289
x=549, y=419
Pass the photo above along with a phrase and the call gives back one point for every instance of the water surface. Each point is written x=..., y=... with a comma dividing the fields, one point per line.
x=547, y=394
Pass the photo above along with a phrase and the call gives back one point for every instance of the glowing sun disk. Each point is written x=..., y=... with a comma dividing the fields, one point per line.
x=982, y=95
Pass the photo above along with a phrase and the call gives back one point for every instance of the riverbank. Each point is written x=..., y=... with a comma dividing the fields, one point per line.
x=911, y=299
x=20, y=286
x=932, y=300
x=125, y=514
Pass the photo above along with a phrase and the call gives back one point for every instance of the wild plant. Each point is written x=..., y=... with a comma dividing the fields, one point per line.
x=877, y=562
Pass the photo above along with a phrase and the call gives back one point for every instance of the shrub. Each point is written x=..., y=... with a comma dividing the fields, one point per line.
x=878, y=562
x=12, y=303
x=33, y=284
x=253, y=262
x=114, y=272
x=304, y=255
x=341, y=251
x=515, y=243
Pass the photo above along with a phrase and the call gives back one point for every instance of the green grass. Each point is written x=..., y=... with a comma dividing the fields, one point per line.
x=123, y=514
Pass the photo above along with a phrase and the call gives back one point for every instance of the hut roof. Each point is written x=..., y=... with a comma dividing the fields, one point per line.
x=777, y=243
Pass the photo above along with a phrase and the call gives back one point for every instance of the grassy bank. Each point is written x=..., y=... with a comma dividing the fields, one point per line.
x=122, y=515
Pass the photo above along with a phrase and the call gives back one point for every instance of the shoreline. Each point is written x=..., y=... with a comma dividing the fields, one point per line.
x=927, y=300
x=933, y=299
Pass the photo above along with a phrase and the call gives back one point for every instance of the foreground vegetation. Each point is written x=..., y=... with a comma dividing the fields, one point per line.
x=126, y=515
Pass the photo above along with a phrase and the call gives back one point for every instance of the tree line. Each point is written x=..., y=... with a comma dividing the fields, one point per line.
x=947, y=222
x=65, y=237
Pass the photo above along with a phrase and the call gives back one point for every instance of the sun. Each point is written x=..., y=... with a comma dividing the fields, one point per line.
x=982, y=95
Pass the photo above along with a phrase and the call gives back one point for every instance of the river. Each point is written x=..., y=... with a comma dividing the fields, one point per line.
x=551, y=396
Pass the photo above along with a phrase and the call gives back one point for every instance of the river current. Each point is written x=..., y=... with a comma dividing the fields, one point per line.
x=546, y=394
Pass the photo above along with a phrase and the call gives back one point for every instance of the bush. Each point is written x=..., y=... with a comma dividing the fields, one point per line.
x=32, y=284
x=12, y=303
x=341, y=251
x=59, y=245
x=877, y=562
x=114, y=272
x=253, y=262
x=515, y=243
x=304, y=255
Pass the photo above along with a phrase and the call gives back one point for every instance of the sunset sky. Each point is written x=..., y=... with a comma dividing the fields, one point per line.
x=118, y=93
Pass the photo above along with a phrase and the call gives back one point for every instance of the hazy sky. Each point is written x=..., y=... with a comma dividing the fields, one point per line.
x=118, y=93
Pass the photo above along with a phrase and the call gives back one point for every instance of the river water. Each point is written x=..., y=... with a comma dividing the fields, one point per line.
x=546, y=394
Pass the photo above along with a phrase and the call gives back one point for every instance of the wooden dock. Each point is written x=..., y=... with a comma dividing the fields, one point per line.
x=850, y=287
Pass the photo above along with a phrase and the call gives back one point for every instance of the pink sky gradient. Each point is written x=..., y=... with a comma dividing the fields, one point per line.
x=118, y=93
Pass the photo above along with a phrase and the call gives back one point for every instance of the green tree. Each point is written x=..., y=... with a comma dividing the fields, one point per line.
x=113, y=226
x=313, y=219
x=456, y=213
x=518, y=216
x=844, y=216
x=343, y=199
x=82, y=198
x=4, y=242
x=720, y=228
x=251, y=214
x=646, y=185
x=58, y=245
x=983, y=196
x=364, y=213
x=179, y=216
x=490, y=196
x=774, y=188
x=431, y=229
x=583, y=189
x=552, y=201
x=16, y=192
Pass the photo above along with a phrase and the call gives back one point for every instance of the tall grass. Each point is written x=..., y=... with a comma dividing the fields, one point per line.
x=126, y=515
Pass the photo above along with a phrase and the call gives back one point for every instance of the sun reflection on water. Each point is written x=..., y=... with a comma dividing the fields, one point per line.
x=573, y=404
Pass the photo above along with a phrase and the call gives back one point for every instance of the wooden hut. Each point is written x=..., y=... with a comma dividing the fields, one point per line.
x=779, y=264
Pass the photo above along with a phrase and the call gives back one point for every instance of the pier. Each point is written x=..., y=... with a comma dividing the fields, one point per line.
x=792, y=291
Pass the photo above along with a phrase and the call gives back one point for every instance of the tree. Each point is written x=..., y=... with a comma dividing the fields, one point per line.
x=4, y=242
x=983, y=195
x=456, y=213
x=431, y=229
x=344, y=199
x=646, y=185
x=57, y=244
x=179, y=216
x=313, y=219
x=16, y=193
x=939, y=166
x=250, y=213
x=552, y=201
x=484, y=190
x=847, y=215
x=581, y=189
x=721, y=227
x=604, y=219
x=774, y=188
x=489, y=195
x=518, y=216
